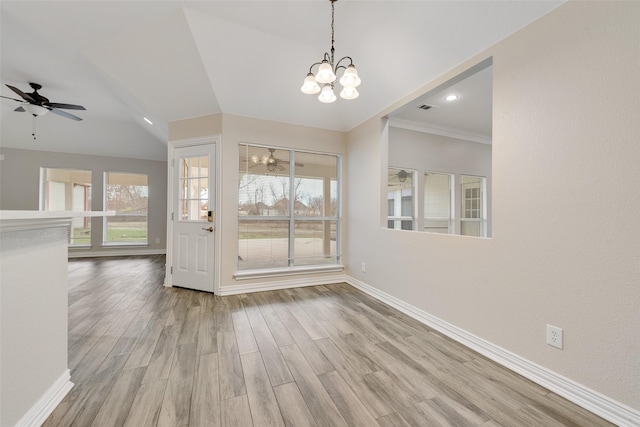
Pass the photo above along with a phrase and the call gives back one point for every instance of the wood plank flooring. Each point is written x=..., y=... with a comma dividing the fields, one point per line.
x=144, y=355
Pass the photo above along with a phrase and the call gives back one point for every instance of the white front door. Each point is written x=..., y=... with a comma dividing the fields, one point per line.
x=193, y=217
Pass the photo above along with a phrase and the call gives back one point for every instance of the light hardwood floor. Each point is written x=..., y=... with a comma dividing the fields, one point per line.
x=144, y=355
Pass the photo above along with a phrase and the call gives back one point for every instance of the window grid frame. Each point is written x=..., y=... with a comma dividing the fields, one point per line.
x=292, y=218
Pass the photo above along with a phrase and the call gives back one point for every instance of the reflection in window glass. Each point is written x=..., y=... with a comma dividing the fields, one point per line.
x=68, y=190
x=128, y=195
x=437, y=203
x=275, y=232
x=400, y=199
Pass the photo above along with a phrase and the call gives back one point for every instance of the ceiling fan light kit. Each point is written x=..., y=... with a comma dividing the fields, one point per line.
x=37, y=105
x=326, y=74
x=272, y=162
x=34, y=109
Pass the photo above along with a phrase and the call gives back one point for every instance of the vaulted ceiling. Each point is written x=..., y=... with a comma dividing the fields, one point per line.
x=170, y=60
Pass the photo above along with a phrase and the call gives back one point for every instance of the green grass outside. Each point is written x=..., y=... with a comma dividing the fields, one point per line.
x=125, y=234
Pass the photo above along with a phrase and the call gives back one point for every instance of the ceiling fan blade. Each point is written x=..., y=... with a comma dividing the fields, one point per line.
x=20, y=109
x=65, y=114
x=286, y=162
x=24, y=96
x=65, y=106
x=13, y=99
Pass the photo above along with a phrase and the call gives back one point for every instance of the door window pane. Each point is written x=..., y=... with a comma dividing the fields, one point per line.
x=68, y=190
x=128, y=195
x=194, y=188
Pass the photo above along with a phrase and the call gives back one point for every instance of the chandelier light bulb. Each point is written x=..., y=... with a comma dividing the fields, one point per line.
x=325, y=73
x=272, y=163
x=350, y=77
x=310, y=85
x=327, y=96
x=349, y=92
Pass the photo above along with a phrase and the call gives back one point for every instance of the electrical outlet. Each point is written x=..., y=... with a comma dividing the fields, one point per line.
x=157, y=240
x=364, y=267
x=554, y=336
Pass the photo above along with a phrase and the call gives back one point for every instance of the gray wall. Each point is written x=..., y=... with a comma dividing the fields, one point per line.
x=19, y=189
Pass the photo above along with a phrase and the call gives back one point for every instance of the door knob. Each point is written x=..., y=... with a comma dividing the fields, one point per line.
x=210, y=229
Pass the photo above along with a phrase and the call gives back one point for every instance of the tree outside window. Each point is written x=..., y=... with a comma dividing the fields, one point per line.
x=128, y=195
x=275, y=232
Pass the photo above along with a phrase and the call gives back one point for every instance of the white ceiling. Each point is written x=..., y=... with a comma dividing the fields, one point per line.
x=469, y=116
x=169, y=60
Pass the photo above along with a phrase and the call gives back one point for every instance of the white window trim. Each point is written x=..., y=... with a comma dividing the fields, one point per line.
x=286, y=271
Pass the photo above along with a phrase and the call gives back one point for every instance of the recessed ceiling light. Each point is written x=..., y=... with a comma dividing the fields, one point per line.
x=147, y=120
x=451, y=97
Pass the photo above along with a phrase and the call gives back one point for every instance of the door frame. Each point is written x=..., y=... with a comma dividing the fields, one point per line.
x=216, y=140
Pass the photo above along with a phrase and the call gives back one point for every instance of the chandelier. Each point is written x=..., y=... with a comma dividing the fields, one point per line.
x=326, y=75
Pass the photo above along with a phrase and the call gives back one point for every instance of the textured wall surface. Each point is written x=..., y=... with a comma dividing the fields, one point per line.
x=566, y=239
x=33, y=283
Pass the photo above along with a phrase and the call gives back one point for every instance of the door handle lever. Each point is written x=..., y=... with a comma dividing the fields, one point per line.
x=210, y=229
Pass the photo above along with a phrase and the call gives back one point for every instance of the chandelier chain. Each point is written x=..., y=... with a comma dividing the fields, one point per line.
x=332, y=40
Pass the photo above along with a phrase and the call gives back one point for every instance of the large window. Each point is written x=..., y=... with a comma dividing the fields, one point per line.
x=275, y=232
x=68, y=190
x=128, y=195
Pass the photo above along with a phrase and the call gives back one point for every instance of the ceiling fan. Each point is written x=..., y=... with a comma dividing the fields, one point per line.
x=398, y=177
x=38, y=105
x=272, y=163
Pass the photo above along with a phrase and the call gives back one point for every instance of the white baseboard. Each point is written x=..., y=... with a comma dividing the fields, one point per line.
x=115, y=252
x=603, y=406
x=298, y=282
x=41, y=410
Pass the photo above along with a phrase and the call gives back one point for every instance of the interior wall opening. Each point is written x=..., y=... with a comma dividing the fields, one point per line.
x=439, y=169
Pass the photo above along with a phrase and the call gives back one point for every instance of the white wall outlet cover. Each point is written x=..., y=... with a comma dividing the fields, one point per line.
x=554, y=336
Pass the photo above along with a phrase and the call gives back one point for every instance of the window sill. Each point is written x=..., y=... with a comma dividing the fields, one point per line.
x=287, y=271
x=125, y=245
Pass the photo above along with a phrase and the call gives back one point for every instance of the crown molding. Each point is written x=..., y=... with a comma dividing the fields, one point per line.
x=439, y=130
